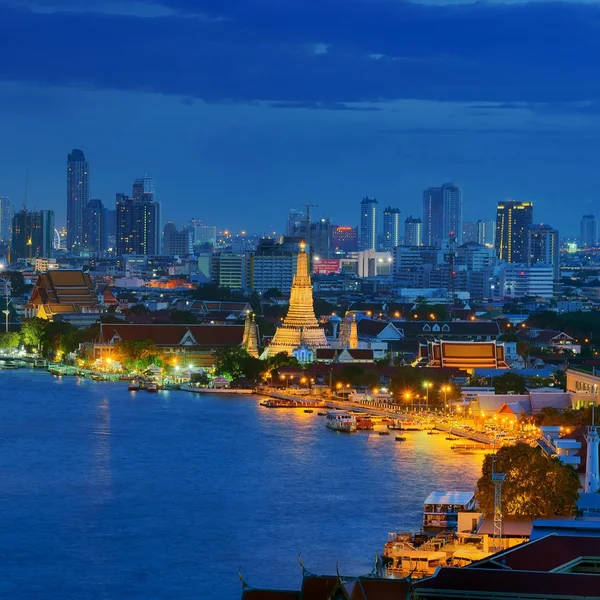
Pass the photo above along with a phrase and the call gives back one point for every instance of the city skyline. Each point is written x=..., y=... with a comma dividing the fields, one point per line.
x=204, y=130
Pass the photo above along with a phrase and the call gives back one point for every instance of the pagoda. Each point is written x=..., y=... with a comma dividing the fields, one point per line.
x=300, y=326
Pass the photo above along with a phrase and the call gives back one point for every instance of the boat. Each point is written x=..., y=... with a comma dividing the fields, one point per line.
x=364, y=424
x=152, y=387
x=134, y=385
x=383, y=432
x=322, y=414
x=400, y=438
x=433, y=432
x=451, y=438
x=340, y=420
x=278, y=403
x=309, y=410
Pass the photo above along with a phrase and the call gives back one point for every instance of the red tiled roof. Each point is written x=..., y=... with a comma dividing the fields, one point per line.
x=360, y=353
x=487, y=583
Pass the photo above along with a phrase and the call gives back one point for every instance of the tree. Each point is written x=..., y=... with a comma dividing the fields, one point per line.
x=32, y=332
x=509, y=383
x=10, y=340
x=139, y=354
x=236, y=362
x=535, y=486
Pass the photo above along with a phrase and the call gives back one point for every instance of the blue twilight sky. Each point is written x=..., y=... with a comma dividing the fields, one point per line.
x=241, y=109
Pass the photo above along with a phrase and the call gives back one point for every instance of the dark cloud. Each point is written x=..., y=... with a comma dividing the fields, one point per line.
x=316, y=54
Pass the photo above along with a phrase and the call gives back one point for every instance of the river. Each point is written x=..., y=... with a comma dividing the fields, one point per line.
x=106, y=493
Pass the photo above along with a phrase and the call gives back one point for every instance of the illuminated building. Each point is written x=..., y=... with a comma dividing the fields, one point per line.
x=272, y=267
x=543, y=247
x=300, y=326
x=94, y=230
x=413, y=232
x=442, y=214
x=6, y=216
x=250, y=339
x=344, y=238
x=482, y=232
x=368, y=224
x=32, y=234
x=78, y=194
x=391, y=228
x=513, y=221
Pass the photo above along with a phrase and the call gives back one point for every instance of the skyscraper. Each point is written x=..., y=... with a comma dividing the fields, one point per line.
x=33, y=234
x=442, y=214
x=391, y=228
x=543, y=247
x=482, y=232
x=138, y=220
x=589, y=232
x=513, y=221
x=320, y=237
x=6, y=216
x=78, y=194
x=368, y=224
x=176, y=243
x=94, y=230
x=413, y=232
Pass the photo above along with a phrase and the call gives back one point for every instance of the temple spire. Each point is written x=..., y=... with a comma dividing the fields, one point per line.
x=300, y=325
x=592, y=470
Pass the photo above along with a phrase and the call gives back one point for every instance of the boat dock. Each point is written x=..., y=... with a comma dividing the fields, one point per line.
x=471, y=446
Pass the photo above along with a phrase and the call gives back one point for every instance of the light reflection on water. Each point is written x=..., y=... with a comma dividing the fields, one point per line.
x=114, y=494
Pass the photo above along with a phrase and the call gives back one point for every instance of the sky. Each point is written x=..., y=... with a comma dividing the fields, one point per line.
x=243, y=109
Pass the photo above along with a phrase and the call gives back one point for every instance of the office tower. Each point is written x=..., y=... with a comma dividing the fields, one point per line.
x=442, y=214
x=482, y=232
x=78, y=194
x=513, y=221
x=517, y=281
x=320, y=237
x=6, y=216
x=94, y=234
x=344, y=238
x=296, y=224
x=176, y=243
x=589, y=232
x=368, y=224
x=543, y=247
x=272, y=266
x=138, y=220
x=391, y=229
x=33, y=234
x=109, y=220
x=413, y=232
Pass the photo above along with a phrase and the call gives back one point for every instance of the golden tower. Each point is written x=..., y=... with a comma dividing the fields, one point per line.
x=300, y=325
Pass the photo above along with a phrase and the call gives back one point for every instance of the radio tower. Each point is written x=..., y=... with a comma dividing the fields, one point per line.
x=498, y=480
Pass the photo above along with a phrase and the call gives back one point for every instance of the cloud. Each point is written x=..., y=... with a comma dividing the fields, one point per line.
x=358, y=50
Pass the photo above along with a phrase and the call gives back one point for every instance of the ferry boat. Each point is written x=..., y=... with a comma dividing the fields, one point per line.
x=152, y=387
x=340, y=420
x=133, y=386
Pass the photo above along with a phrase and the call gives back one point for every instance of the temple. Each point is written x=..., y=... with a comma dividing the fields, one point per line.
x=300, y=326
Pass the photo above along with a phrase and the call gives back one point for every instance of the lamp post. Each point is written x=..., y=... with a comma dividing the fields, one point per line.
x=427, y=385
x=407, y=399
x=445, y=389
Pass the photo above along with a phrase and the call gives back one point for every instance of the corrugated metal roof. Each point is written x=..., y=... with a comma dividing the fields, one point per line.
x=449, y=498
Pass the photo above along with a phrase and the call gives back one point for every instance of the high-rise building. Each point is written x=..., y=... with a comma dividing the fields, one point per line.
x=272, y=266
x=94, y=232
x=176, y=243
x=344, y=238
x=589, y=232
x=320, y=237
x=6, y=216
x=391, y=228
x=513, y=221
x=368, y=224
x=481, y=232
x=110, y=227
x=517, y=281
x=205, y=234
x=78, y=194
x=413, y=232
x=33, y=234
x=138, y=220
x=442, y=214
x=296, y=224
x=543, y=247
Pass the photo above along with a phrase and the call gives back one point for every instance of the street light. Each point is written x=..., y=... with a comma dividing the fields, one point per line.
x=445, y=389
x=427, y=385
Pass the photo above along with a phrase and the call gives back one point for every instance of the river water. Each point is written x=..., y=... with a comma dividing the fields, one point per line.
x=106, y=493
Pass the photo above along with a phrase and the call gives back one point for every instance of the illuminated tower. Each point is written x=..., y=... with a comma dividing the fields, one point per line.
x=592, y=470
x=368, y=224
x=300, y=324
x=513, y=221
x=250, y=339
x=78, y=194
x=353, y=341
